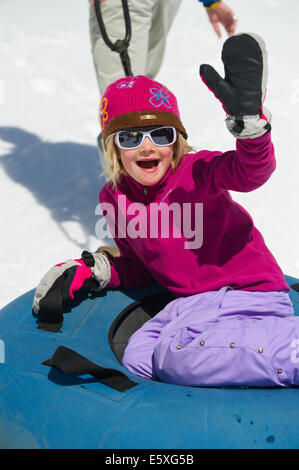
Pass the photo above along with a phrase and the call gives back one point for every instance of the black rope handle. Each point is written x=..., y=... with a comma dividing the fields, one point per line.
x=121, y=45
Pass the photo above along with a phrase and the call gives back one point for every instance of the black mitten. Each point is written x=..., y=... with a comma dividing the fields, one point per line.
x=243, y=89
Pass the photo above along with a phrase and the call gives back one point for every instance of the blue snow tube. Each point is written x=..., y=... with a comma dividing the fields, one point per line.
x=43, y=407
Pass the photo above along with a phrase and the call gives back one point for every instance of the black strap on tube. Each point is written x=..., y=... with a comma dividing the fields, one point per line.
x=72, y=363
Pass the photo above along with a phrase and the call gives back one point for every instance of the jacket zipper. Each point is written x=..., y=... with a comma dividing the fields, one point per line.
x=145, y=190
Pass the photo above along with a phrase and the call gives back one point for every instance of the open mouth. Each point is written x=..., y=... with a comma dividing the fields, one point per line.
x=148, y=164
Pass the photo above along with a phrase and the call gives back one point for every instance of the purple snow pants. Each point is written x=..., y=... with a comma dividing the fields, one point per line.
x=225, y=337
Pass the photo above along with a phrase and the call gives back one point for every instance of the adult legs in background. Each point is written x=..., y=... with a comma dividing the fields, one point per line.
x=163, y=16
x=150, y=23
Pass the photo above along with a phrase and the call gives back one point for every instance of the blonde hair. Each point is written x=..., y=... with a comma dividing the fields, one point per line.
x=113, y=167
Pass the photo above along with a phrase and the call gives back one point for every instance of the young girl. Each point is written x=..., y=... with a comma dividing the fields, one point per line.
x=233, y=322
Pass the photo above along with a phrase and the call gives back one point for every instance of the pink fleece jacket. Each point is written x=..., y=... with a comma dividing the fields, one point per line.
x=233, y=252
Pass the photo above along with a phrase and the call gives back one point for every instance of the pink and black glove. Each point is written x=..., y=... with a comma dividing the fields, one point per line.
x=68, y=282
x=243, y=89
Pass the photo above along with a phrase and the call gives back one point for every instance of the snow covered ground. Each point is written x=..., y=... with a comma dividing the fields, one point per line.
x=49, y=166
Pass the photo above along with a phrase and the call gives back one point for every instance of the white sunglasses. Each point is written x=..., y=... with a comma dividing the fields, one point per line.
x=133, y=138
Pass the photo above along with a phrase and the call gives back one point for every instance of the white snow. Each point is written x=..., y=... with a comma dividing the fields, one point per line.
x=49, y=166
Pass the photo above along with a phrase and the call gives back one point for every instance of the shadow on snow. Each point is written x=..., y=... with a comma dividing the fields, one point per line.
x=63, y=177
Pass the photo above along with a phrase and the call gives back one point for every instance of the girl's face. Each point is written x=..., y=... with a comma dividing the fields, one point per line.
x=148, y=163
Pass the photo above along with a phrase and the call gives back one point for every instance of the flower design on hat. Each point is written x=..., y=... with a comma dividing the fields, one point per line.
x=127, y=84
x=159, y=98
x=103, y=112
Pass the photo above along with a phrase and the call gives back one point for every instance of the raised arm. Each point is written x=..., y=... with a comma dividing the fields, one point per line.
x=244, y=169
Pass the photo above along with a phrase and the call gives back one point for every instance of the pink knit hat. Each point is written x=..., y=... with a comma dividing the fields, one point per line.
x=138, y=101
